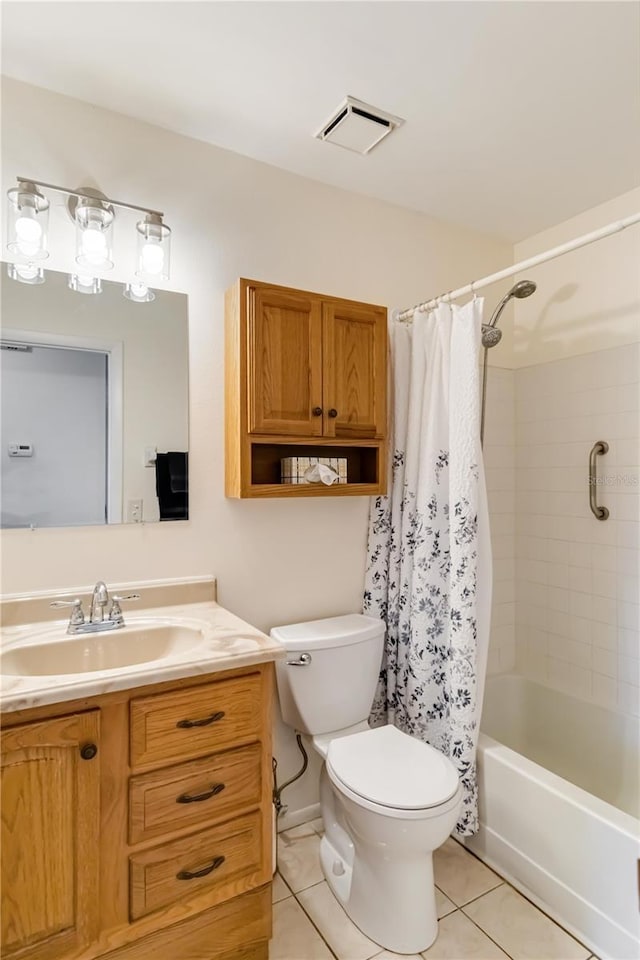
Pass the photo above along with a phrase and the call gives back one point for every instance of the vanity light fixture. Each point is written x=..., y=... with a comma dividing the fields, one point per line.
x=93, y=214
x=138, y=292
x=25, y=272
x=27, y=222
x=84, y=283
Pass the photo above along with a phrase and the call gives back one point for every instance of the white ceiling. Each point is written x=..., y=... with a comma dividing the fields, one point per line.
x=518, y=114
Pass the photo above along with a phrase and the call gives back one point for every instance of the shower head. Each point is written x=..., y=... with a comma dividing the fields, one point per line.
x=522, y=289
x=491, y=336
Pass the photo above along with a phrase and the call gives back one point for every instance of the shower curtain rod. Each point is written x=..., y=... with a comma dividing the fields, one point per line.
x=523, y=265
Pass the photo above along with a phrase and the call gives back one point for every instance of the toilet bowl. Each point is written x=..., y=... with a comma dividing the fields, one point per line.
x=387, y=799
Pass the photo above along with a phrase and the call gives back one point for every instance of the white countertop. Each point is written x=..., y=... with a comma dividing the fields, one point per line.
x=225, y=643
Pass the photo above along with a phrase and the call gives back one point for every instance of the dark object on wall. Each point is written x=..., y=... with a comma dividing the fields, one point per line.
x=172, y=485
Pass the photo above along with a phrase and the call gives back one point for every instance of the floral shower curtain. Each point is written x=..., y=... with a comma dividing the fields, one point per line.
x=429, y=556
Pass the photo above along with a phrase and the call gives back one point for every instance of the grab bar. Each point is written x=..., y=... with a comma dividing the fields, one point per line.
x=599, y=447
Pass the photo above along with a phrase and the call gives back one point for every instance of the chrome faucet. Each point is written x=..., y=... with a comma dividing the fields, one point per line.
x=100, y=600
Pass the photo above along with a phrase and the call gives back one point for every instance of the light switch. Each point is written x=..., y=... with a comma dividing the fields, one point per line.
x=20, y=449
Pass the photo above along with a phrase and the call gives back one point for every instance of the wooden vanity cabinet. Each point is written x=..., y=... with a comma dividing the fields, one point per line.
x=137, y=825
x=306, y=375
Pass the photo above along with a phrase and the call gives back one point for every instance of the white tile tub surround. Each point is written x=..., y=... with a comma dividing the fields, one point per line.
x=499, y=460
x=577, y=578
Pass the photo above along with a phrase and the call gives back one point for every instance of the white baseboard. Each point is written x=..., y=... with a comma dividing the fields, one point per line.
x=293, y=818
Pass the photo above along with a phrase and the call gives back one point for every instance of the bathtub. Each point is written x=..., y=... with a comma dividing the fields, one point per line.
x=559, y=807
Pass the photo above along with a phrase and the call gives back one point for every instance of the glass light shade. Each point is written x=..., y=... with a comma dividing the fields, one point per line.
x=27, y=222
x=139, y=293
x=154, y=249
x=25, y=272
x=83, y=283
x=94, y=235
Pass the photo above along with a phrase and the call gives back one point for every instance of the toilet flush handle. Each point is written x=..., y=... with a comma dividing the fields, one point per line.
x=303, y=661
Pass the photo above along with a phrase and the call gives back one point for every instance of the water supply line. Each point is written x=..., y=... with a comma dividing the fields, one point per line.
x=277, y=790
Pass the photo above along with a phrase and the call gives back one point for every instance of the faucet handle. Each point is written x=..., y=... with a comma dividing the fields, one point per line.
x=77, y=613
x=115, y=613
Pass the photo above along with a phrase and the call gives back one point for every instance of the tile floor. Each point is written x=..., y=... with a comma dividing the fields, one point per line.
x=480, y=916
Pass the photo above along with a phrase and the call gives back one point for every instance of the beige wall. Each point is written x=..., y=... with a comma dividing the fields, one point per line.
x=275, y=561
x=586, y=300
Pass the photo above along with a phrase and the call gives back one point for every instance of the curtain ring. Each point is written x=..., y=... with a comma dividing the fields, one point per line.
x=473, y=293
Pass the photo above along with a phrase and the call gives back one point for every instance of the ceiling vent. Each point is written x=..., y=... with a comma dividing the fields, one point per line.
x=358, y=126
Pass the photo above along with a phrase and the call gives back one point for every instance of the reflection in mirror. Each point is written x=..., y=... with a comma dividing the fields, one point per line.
x=94, y=405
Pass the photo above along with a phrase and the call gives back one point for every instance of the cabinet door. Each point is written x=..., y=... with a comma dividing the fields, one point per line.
x=355, y=371
x=50, y=823
x=285, y=363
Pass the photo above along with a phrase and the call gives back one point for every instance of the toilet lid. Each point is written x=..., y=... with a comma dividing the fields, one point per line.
x=393, y=769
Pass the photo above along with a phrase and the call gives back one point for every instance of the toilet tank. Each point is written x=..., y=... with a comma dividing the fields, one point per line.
x=335, y=688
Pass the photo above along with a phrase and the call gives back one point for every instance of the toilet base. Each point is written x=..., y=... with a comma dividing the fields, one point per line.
x=401, y=915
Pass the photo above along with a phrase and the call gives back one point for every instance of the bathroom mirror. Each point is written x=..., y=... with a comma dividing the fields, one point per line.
x=94, y=405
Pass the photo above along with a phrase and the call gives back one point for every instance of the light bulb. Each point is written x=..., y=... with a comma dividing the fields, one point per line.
x=152, y=259
x=139, y=292
x=85, y=283
x=27, y=222
x=94, y=244
x=27, y=228
x=26, y=271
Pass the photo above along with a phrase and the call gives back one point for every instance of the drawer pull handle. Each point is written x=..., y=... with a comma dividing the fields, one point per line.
x=218, y=715
x=195, y=874
x=197, y=797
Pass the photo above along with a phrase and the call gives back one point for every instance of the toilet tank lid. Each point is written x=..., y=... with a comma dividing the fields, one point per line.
x=330, y=632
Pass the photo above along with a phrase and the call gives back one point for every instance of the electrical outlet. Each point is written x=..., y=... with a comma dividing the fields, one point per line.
x=134, y=511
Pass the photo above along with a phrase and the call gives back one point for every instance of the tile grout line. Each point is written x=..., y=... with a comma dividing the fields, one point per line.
x=373, y=955
x=531, y=903
x=311, y=920
x=482, y=930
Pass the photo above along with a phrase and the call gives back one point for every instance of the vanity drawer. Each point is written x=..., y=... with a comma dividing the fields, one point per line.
x=196, y=721
x=224, y=860
x=195, y=792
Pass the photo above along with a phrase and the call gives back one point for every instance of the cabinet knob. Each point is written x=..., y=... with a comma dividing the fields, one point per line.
x=88, y=751
x=317, y=411
x=333, y=412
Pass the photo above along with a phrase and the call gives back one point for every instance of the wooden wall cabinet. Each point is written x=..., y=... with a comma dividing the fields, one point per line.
x=306, y=375
x=130, y=834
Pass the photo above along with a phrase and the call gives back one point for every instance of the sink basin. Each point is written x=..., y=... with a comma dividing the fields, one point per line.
x=86, y=653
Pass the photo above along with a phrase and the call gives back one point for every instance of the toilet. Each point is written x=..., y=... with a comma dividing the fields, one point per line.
x=387, y=799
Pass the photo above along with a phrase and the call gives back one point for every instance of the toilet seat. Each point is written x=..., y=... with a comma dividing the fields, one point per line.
x=390, y=770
